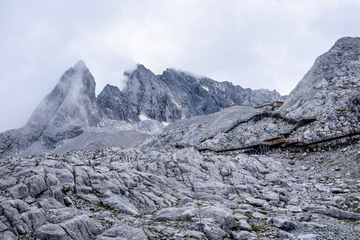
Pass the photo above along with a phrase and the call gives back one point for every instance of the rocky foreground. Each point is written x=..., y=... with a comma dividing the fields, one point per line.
x=181, y=194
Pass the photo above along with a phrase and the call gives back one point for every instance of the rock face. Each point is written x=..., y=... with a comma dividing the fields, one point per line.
x=72, y=109
x=174, y=95
x=167, y=189
x=330, y=90
x=63, y=114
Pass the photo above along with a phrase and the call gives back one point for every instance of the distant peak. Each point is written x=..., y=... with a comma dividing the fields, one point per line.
x=80, y=65
x=141, y=67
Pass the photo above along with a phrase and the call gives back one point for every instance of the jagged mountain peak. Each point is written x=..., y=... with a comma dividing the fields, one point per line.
x=80, y=65
x=65, y=113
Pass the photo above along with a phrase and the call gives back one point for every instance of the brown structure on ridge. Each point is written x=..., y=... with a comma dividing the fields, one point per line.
x=273, y=141
x=278, y=103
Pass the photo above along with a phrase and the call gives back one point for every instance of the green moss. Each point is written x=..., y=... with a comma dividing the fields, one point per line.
x=257, y=228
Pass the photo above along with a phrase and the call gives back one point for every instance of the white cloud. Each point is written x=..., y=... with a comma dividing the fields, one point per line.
x=257, y=44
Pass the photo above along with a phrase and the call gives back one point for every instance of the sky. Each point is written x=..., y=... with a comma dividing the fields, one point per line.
x=252, y=43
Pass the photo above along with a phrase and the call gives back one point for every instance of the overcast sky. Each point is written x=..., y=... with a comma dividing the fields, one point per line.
x=256, y=44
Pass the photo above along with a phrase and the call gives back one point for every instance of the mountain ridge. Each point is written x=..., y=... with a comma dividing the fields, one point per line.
x=72, y=107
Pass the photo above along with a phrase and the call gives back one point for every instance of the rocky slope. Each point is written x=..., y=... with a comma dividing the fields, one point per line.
x=330, y=90
x=180, y=194
x=329, y=93
x=166, y=189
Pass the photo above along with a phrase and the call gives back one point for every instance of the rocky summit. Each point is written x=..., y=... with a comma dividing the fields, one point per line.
x=110, y=169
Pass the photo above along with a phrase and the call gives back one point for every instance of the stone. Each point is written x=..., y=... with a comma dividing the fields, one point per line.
x=307, y=237
x=185, y=201
x=81, y=227
x=36, y=185
x=51, y=231
x=335, y=212
x=301, y=217
x=37, y=217
x=259, y=215
x=294, y=209
x=254, y=201
x=282, y=222
x=123, y=232
x=120, y=204
x=336, y=190
x=285, y=235
x=316, y=209
x=243, y=235
x=169, y=214
x=271, y=196
x=244, y=225
x=49, y=203
x=19, y=191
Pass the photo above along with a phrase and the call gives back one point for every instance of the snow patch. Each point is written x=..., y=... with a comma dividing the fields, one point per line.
x=176, y=103
x=206, y=88
x=143, y=117
x=165, y=123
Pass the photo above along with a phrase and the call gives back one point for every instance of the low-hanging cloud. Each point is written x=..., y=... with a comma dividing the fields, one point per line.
x=257, y=44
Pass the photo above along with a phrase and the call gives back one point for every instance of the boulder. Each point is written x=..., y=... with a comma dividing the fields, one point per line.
x=81, y=228
x=123, y=232
x=282, y=222
x=120, y=204
x=51, y=231
x=335, y=212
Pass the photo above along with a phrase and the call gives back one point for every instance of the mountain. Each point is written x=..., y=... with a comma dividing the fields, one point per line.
x=63, y=114
x=72, y=117
x=328, y=94
x=329, y=91
x=187, y=180
x=174, y=95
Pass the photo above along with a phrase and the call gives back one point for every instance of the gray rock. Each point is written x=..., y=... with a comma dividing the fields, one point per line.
x=120, y=204
x=285, y=235
x=244, y=225
x=49, y=203
x=315, y=208
x=307, y=237
x=243, y=235
x=254, y=201
x=36, y=185
x=123, y=232
x=51, y=231
x=81, y=227
x=168, y=214
x=185, y=201
x=335, y=212
x=214, y=232
x=19, y=191
x=295, y=209
x=301, y=217
x=336, y=190
x=282, y=222
x=174, y=95
x=37, y=217
x=61, y=115
x=7, y=235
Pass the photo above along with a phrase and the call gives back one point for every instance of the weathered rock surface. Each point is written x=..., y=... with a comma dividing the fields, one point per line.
x=167, y=189
x=174, y=95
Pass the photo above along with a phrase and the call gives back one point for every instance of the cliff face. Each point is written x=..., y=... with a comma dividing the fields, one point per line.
x=331, y=85
x=148, y=99
x=63, y=114
x=175, y=95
